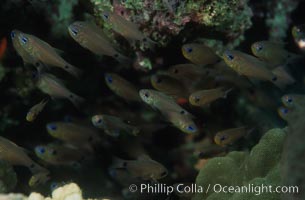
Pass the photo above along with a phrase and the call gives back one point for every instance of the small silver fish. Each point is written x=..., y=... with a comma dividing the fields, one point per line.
x=35, y=110
x=54, y=87
x=91, y=37
x=45, y=53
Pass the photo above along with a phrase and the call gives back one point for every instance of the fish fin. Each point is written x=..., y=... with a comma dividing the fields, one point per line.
x=122, y=59
x=73, y=70
x=144, y=157
x=118, y=163
x=282, y=77
x=227, y=92
x=76, y=100
x=59, y=51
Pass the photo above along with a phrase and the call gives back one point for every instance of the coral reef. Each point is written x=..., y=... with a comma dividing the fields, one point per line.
x=8, y=178
x=260, y=166
x=162, y=21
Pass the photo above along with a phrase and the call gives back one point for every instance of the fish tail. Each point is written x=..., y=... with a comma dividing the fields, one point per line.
x=73, y=70
x=35, y=168
x=282, y=78
x=227, y=92
x=76, y=100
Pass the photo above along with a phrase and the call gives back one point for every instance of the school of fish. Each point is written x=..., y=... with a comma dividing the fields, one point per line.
x=175, y=92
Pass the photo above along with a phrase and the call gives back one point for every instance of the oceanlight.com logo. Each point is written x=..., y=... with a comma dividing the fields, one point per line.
x=159, y=188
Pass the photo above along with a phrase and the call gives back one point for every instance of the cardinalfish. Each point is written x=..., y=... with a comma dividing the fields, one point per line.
x=169, y=85
x=113, y=126
x=229, y=136
x=144, y=167
x=199, y=54
x=3, y=47
x=126, y=28
x=59, y=154
x=16, y=155
x=293, y=100
x=205, y=97
x=91, y=37
x=54, y=87
x=25, y=55
x=298, y=33
x=210, y=151
x=35, y=110
x=272, y=52
x=122, y=87
x=39, y=178
x=41, y=51
x=161, y=101
x=190, y=72
x=252, y=67
x=122, y=176
x=78, y=136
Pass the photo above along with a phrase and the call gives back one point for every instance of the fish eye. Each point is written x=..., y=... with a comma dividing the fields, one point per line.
x=223, y=137
x=99, y=121
x=197, y=99
x=289, y=99
x=109, y=79
x=189, y=49
x=53, y=186
x=24, y=40
x=13, y=34
x=284, y=111
x=146, y=94
x=274, y=78
x=229, y=56
x=34, y=75
x=190, y=128
x=74, y=31
x=32, y=166
x=41, y=150
x=52, y=127
x=176, y=71
x=259, y=47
